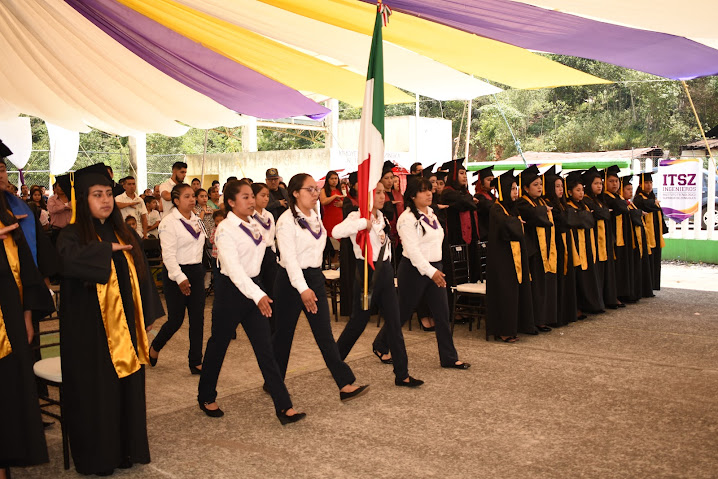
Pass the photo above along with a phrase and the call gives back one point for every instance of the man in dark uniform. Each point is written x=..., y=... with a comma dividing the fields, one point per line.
x=278, y=198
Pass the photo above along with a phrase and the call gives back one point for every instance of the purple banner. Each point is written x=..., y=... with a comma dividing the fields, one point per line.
x=228, y=83
x=544, y=30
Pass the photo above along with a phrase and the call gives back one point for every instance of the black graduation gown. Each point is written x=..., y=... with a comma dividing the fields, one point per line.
x=581, y=221
x=566, y=307
x=347, y=265
x=642, y=259
x=655, y=229
x=460, y=205
x=105, y=416
x=22, y=438
x=621, y=234
x=604, y=240
x=543, y=283
x=509, y=303
x=483, y=208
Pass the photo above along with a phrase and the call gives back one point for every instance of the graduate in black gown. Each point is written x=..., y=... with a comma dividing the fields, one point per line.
x=582, y=224
x=603, y=236
x=508, y=286
x=566, y=306
x=22, y=293
x=621, y=233
x=540, y=247
x=108, y=301
x=655, y=224
x=485, y=200
x=642, y=259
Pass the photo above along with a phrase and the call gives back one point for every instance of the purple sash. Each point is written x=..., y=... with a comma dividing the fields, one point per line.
x=259, y=220
x=303, y=222
x=249, y=233
x=191, y=230
x=433, y=224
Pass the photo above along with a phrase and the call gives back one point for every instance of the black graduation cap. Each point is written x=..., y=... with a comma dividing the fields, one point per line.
x=453, y=168
x=353, y=177
x=625, y=180
x=4, y=150
x=574, y=178
x=530, y=174
x=589, y=175
x=485, y=173
x=503, y=183
x=612, y=170
x=427, y=173
x=441, y=175
x=388, y=166
x=81, y=180
x=550, y=177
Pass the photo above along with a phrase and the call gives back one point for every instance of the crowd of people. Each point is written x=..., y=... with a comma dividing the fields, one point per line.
x=558, y=249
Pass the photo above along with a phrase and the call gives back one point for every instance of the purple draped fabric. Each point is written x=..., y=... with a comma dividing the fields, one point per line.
x=544, y=30
x=231, y=84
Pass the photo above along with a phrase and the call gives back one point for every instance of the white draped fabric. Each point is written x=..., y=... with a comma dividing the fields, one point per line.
x=58, y=66
x=402, y=68
x=695, y=21
x=64, y=145
x=16, y=133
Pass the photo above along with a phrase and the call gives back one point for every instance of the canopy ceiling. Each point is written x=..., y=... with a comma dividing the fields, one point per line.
x=127, y=66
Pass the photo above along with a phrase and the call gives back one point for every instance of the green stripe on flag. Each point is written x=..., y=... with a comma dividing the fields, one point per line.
x=376, y=71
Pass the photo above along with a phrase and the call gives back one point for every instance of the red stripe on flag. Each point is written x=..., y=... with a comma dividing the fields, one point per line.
x=364, y=192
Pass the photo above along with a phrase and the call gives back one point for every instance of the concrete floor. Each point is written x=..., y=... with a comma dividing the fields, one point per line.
x=627, y=394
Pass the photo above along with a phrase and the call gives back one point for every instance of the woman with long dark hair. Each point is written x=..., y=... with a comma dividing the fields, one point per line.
x=268, y=228
x=109, y=300
x=621, y=235
x=299, y=285
x=331, y=199
x=642, y=258
x=383, y=292
x=39, y=206
x=22, y=293
x=240, y=298
x=420, y=273
x=565, y=275
x=182, y=241
x=655, y=225
x=508, y=285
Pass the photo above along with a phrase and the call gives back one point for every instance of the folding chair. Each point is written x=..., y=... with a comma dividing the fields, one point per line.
x=467, y=297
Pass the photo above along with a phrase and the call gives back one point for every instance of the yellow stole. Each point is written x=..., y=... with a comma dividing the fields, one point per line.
x=648, y=221
x=620, y=240
x=580, y=256
x=119, y=339
x=639, y=235
x=565, y=254
x=515, y=252
x=548, y=255
x=14, y=262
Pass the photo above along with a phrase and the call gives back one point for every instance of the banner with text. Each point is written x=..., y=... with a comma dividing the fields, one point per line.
x=680, y=188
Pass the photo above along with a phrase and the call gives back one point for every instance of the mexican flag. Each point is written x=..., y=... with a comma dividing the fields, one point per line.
x=371, y=130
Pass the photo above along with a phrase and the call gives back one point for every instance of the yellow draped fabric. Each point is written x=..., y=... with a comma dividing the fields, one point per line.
x=548, y=254
x=516, y=252
x=650, y=233
x=271, y=58
x=593, y=245
x=14, y=263
x=497, y=61
x=602, y=247
x=619, y=231
x=565, y=254
x=119, y=339
x=639, y=239
x=660, y=225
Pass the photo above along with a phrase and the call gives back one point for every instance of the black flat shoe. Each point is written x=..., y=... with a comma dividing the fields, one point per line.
x=354, y=394
x=284, y=419
x=612, y=306
x=153, y=361
x=195, y=370
x=532, y=333
x=424, y=328
x=509, y=339
x=458, y=366
x=621, y=305
x=411, y=383
x=265, y=388
x=544, y=329
x=211, y=412
x=582, y=317
x=46, y=424
x=385, y=361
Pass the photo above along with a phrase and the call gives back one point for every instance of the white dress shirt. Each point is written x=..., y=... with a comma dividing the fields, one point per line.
x=152, y=218
x=238, y=256
x=298, y=248
x=167, y=186
x=178, y=245
x=421, y=247
x=354, y=223
x=270, y=232
x=136, y=210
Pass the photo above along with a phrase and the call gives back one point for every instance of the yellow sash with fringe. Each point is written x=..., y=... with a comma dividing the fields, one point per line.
x=548, y=255
x=119, y=339
x=14, y=262
x=602, y=248
x=516, y=252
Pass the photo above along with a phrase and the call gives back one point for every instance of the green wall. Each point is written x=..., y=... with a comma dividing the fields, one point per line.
x=691, y=250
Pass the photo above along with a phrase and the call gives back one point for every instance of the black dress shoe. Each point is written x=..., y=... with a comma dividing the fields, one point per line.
x=459, y=366
x=354, y=394
x=265, y=388
x=379, y=355
x=411, y=383
x=46, y=424
x=612, y=306
x=195, y=370
x=153, y=361
x=211, y=412
x=284, y=419
x=533, y=333
x=544, y=329
x=582, y=317
x=621, y=305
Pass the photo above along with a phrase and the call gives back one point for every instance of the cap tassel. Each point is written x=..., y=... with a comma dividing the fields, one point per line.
x=501, y=196
x=543, y=185
x=73, y=202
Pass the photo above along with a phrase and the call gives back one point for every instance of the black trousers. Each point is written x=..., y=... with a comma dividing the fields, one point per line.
x=267, y=275
x=287, y=307
x=413, y=288
x=230, y=309
x=385, y=299
x=177, y=303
